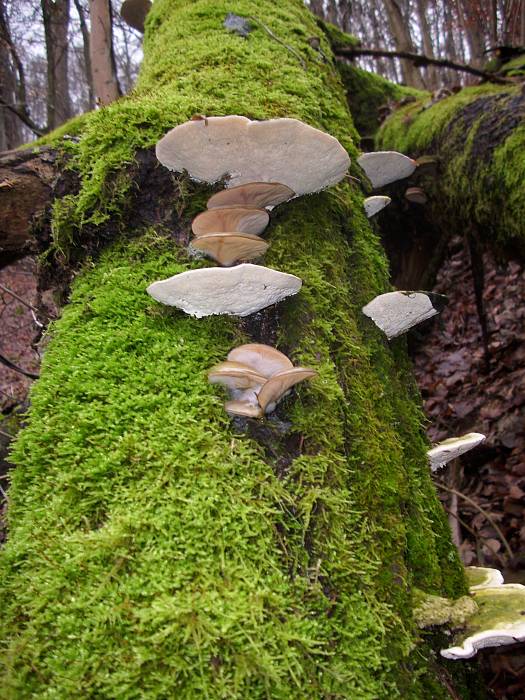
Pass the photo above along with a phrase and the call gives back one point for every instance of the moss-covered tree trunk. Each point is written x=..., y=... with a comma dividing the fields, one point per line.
x=156, y=549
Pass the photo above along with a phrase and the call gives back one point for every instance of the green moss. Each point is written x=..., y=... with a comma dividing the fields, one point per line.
x=367, y=93
x=336, y=36
x=433, y=610
x=481, y=169
x=154, y=550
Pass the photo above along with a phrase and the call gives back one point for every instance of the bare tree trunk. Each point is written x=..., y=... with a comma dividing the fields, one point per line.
x=87, y=55
x=10, y=126
x=403, y=41
x=105, y=81
x=428, y=47
x=56, y=24
x=472, y=30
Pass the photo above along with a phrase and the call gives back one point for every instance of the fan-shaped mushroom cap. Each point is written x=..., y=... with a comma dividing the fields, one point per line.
x=263, y=359
x=243, y=408
x=227, y=248
x=240, y=219
x=235, y=375
x=278, y=150
x=395, y=312
x=134, y=12
x=449, y=449
x=280, y=384
x=253, y=194
x=499, y=621
x=375, y=204
x=383, y=167
x=416, y=195
x=238, y=291
x=482, y=577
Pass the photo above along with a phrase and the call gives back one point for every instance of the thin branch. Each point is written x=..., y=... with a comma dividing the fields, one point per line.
x=478, y=538
x=24, y=117
x=280, y=41
x=16, y=368
x=15, y=295
x=419, y=60
x=485, y=513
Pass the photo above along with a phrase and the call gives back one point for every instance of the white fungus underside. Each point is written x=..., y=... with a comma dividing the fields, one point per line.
x=240, y=150
x=374, y=204
x=384, y=167
x=500, y=633
x=237, y=291
x=395, y=312
x=447, y=450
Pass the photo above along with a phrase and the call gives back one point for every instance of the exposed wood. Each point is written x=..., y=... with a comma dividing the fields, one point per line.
x=418, y=59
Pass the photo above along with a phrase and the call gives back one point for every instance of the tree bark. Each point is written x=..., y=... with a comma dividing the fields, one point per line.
x=86, y=52
x=401, y=33
x=56, y=25
x=165, y=550
x=103, y=68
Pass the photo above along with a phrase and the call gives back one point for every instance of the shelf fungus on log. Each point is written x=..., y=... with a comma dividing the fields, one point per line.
x=416, y=195
x=499, y=620
x=227, y=219
x=374, y=204
x=242, y=151
x=134, y=12
x=384, y=167
x=257, y=377
x=482, y=577
x=237, y=291
x=449, y=449
x=264, y=195
x=396, y=312
x=229, y=247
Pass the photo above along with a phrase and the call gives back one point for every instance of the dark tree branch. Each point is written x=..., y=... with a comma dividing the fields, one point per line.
x=419, y=60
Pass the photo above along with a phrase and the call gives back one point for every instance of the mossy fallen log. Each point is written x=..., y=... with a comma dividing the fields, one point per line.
x=157, y=549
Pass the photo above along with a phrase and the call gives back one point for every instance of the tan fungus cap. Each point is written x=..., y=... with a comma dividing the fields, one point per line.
x=243, y=219
x=228, y=248
x=253, y=194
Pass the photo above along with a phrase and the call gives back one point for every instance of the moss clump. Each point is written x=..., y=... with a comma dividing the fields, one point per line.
x=155, y=551
x=479, y=138
x=433, y=610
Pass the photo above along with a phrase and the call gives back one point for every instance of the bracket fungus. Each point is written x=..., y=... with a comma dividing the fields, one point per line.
x=285, y=151
x=499, y=620
x=227, y=248
x=258, y=377
x=482, y=577
x=396, y=312
x=384, y=167
x=237, y=291
x=449, y=449
x=264, y=195
x=134, y=12
x=416, y=195
x=245, y=220
x=374, y=204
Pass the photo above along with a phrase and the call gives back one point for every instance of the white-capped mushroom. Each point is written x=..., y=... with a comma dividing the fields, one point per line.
x=449, y=449
x=374, y=204
x=279, y=385
x=238, y=149
x=482, y=577
x=134, y=12
x=384, y=167
x=416, y=195
x=237, y=291
x=242, y=219
x=500, y=620
x=395, y=312
x=228, y=248
x=265, y=195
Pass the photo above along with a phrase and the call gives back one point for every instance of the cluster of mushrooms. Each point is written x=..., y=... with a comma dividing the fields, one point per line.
x=265, y=164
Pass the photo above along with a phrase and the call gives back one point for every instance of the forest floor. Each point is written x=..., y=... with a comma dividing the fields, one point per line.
x=463, y=390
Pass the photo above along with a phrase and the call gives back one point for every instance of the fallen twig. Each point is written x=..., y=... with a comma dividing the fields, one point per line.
x=280, y=41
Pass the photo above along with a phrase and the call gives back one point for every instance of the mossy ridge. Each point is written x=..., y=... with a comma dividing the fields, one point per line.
x=480, y=143
x=146, y=554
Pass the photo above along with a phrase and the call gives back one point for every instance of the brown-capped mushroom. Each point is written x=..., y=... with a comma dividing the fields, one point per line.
x=416, y=195
x=243, y=408
x=134, y=12
x=228, y=248
x=264, y=359
x=242, y=219
x=252, y=194
x=278, y=386
x=288, y=151
x=235, y=375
